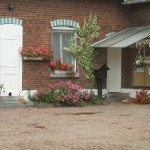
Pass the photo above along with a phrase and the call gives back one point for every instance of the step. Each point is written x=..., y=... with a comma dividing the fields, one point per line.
x=116, y=96
x=14, y=101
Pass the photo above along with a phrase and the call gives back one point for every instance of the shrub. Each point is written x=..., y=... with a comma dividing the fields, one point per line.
x=62, y=92
x=65, y=92
x=142, y=97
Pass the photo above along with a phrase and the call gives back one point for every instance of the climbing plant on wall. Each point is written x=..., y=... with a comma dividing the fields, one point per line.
x=83, y=51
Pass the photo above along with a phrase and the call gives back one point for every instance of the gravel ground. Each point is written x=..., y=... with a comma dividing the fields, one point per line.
x=115, y=126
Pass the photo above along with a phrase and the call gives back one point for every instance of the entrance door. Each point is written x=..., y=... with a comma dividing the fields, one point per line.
x=10, y=60
x=114, y=74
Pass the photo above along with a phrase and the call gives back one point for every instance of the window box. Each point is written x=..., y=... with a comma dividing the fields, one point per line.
x=32, y=58
x=63, y=74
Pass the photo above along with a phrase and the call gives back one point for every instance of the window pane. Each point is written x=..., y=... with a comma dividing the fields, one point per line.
x=56, y=45
x=67, y=57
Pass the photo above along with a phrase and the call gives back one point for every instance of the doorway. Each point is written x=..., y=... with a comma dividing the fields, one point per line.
x=114, y=74
x=10, y=59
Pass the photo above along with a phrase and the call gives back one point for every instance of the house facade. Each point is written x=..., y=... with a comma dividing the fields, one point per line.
x=52, y=23
x=122, y=50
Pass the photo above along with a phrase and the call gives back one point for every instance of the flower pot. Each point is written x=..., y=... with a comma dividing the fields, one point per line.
x=32, y=58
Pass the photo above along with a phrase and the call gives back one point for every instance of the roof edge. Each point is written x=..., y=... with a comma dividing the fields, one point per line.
x=116, y=39
x=126, y=2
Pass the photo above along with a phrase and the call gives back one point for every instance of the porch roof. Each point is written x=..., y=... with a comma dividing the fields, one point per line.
x=128, y=2
x=124, y=38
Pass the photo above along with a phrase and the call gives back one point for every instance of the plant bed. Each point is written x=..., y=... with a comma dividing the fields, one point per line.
x=44, y=105
x=142, y=97
x=64, y=94
x=80, y=104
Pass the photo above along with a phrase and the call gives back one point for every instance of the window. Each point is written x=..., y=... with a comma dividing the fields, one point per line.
x=62, y=31
x=60, y=41
x=147, y=52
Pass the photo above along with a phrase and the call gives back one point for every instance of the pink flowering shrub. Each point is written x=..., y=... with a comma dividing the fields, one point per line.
x=88, y=96
x=65, y=92
x=142, y=97
x=62, y=92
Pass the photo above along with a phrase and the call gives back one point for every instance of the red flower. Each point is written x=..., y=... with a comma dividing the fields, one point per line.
x=53, y=64
x=142, y=97
x=36, y=52
x=136, y=92
x=59, y=59
x=62, y=66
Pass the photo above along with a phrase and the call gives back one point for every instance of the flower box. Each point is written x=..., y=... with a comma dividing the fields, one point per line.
x=40, y=53
x=63, y=74
x=32, y=58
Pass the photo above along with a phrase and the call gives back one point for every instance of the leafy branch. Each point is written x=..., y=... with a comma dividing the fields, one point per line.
x=83, y=51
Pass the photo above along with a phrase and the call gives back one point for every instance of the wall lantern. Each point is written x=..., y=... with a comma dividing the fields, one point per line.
x=11, y=6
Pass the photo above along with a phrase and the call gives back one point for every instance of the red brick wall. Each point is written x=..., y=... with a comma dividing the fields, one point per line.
x=139, y=14
x=128, y=57
x=36, y=16
x=35, y=74
x=100, y=59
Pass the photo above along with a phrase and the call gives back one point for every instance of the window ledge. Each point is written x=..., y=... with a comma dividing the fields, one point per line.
x=63, y=74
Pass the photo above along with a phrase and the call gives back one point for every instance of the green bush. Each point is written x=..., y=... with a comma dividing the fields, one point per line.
x=66, y=93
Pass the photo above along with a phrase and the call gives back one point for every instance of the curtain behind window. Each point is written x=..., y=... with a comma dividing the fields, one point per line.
x=61, y=40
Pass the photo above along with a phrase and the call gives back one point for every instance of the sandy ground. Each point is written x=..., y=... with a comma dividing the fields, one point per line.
x=115, y=126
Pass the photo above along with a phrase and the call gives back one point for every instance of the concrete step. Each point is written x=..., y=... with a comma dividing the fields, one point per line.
x=116, y=96
x=14, y=101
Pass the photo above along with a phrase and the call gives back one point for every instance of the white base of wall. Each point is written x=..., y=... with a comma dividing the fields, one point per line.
x=24, y=93
x=132, y=92
x=123, y=90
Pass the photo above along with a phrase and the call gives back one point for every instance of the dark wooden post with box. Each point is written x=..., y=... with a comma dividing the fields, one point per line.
x=100, y=74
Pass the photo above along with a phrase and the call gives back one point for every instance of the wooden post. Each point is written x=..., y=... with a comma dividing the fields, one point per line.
x=99, y=86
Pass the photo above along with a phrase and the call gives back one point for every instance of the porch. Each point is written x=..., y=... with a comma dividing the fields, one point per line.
x=121, y=53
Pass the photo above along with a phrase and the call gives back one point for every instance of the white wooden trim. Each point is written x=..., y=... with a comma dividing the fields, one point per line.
x=21, y=45
x=114, y=74
x=10, y=31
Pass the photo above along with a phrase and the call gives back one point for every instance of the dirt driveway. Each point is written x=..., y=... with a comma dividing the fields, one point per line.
x=115, y=126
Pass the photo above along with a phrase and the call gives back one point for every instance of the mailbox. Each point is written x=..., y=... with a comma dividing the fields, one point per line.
x=100, y=73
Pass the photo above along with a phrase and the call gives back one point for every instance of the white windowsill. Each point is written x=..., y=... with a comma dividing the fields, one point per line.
x=63, y=74
x=32, y=58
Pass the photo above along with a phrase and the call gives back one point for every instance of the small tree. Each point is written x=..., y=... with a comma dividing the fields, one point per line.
x=83, y=51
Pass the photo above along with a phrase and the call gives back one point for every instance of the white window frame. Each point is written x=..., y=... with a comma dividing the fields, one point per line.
x=64, y=29
x=147, y=48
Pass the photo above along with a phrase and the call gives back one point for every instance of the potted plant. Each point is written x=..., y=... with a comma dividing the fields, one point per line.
x=40, y=53
x=139, y=62
x=59, y=66
x=70, y=69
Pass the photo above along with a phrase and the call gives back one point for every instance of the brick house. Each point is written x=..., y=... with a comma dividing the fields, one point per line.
x=51, y=23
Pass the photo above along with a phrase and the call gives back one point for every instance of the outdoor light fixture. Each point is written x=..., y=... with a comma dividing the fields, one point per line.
x=11, y=6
